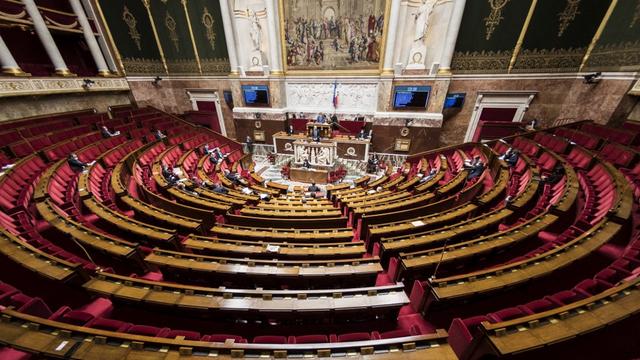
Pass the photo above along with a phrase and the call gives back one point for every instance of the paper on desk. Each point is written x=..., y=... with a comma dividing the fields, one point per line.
x=417, y=223
x=273, y=248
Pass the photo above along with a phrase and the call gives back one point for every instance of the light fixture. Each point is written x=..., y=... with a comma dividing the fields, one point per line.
x=87, y=83
x=593, y=78
x=156, y=81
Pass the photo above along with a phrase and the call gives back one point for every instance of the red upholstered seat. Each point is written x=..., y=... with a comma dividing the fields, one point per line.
x=506, y=314
x=308, y=339
x=358, y=336
x=109, y=324
x=269, y=339
x=146, y=330
x=538, y=306
x=223, y=338
x=188, y=335
x=461, y=333
x=7, y=353
x=590, y=287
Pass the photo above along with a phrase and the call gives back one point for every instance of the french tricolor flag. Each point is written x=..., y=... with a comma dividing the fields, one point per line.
x=335, y=94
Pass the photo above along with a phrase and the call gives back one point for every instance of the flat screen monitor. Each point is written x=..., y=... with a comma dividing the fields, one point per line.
x=255, y=95
x=411, y=97
x=454, y=100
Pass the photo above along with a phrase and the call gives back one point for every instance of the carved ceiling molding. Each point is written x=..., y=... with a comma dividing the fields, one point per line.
x=10, y=87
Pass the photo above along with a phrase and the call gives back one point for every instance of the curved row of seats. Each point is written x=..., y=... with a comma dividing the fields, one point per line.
x=485, y=258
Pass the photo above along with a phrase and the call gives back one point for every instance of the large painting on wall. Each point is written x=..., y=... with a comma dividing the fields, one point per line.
x=339, y=35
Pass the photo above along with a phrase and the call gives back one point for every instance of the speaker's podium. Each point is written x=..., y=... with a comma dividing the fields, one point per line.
x=324, y=129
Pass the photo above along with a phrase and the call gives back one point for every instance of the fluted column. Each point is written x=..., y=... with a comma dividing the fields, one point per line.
x=8, y=63
x=47, y=40
x=452, y=36
x=229, y=37
x=94, y=48
x=392, y=29
x=400, y=34
x=275, y=61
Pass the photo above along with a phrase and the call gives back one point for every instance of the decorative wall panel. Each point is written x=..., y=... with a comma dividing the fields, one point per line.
x=131, y=30
x=488, y=35
x=190, y=34
x=619, y=46
x=173, y=32
x=559, y=35
x=333, y=35
x=314, y=97
x=208, y=32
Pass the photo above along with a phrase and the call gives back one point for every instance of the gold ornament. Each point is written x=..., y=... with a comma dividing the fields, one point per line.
x=170, y=23
x=568, y=15
x=208, y=22
x=131, y=21
x=492, y=21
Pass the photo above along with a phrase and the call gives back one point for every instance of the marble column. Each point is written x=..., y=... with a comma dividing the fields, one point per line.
x=8, y=63
x=275, y=61
x=452, y=36
x=94, y=48
x=392, y=29
x=227, y=22
x=397, y=52
x=47, y=40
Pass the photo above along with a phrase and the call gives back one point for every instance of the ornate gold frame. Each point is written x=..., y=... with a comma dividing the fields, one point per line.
x=373, y=72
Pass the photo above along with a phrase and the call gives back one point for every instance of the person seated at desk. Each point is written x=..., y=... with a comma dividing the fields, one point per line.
x=532, y=126
x=232, y=176
x=168, y=175
x=362, y=135
x=217, y=188
x=321, y=118
x=75, y=164
x=290, y=130
x=313, y=189
x=373, y=191
x=249, y=142
x=159, y=135
x=206, y=150
x=315, y=134
x=306, y=164
x=511, y=157
x=475, y=168
x=554, y=176
x=432, y=173
x=334, y=122
x=108, y=134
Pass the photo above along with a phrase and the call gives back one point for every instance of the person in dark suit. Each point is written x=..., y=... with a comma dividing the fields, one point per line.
x=362, y=134
x=334, y=122
x=306, y=164
x=554, y=176
x=315, y=134
x=474, y=168
x=107, y=134
x=249, y=142
x=217, y=188
x=168, y=175
x=159, y=135
x=511, y=157
x=75, y=164
x=290, y=130
x=313, y=188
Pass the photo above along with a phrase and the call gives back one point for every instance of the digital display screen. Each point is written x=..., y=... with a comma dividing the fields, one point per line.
x=454, y=100
x=255, y=95
x=411, y=97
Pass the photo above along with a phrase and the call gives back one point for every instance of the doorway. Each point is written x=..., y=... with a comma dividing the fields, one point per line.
x=497, y=114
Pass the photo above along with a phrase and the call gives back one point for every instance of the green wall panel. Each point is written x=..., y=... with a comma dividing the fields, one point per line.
x=482, y=47
x=619, y=46
x=559, y=35
x=208, y=31
x=131, y=30
x=171, y=23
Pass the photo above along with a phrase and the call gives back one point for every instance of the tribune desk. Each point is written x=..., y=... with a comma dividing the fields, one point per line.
x=348, y=148
x=304, y=175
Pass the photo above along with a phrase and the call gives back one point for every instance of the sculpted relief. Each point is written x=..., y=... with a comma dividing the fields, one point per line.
x=319, y=96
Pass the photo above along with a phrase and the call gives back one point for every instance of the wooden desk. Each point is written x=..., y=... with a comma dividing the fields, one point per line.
x=269, y=273
x=227, y=247
x=384, y=301
x=46, y=336
x=309, y=175
x=486, y=281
